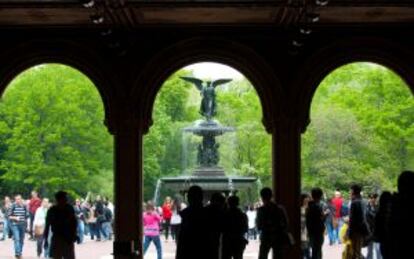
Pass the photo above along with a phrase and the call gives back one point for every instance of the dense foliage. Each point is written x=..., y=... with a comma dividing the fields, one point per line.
x=52, y=135
x=361, y=131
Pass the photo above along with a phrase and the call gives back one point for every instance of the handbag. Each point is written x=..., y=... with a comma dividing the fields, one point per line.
x=38, y=230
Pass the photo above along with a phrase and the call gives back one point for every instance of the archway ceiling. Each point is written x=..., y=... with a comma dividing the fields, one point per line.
x=135, y=13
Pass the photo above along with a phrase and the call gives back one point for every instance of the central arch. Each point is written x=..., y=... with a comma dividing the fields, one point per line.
x=196, y=50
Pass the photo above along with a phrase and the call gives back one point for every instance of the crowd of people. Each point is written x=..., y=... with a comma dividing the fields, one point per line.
x=382, y=226
x=34, y=216
x=221, y=229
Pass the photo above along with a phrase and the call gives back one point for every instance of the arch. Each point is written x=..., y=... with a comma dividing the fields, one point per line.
x=28, y=55
x=229, y=53
x=340, y=53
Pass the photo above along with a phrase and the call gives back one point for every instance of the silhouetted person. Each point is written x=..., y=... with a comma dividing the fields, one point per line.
x=358, y=226
x=402, y=227
x=272, y=224
x=315, y=218
x=371, y=212
x=382, y=222
x=191, y=239
x=62, y=221
x=100, y=217
x=235, y=229
x=214, y=212
x=304, y=237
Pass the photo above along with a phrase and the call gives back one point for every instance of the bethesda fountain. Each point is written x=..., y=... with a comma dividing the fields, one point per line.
x=208, y=174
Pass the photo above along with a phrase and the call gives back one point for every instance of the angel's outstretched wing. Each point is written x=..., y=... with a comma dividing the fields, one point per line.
x=197, y=82
x=220, y=82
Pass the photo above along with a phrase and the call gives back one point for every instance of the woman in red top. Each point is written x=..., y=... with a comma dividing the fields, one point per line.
x=166, y=216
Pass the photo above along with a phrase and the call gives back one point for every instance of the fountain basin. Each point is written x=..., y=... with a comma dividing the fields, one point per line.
x=208, y=127
x=209, y=183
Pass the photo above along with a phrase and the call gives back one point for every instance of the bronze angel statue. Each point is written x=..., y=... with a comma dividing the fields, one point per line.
x=208, y=93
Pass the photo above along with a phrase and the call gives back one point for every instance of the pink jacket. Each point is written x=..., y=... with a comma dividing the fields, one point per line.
x=151, y=224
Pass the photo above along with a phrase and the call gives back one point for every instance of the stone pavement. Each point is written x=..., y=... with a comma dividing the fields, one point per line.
x=102, y=250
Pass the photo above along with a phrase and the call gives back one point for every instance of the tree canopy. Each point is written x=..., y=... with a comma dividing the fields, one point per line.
x=361, y=131
x=52, y=134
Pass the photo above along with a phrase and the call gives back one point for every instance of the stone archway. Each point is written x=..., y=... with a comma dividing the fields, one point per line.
x=30, y=54
x=233, y=54
x=337, y=54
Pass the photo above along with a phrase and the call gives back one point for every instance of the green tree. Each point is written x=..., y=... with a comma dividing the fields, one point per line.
x=54, y=137
x=362, y=129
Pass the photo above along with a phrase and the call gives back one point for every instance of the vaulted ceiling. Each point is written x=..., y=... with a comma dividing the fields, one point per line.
x=136, y=13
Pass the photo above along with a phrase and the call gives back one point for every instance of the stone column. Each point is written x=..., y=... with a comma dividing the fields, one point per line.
x=128, y=137
x=286, y=176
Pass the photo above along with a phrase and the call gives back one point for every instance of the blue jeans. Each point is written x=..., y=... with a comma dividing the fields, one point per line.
x=86, y=232
x=94, y=231
x=81, y=231
x=331, y=232
x=6, y=226
x=107, y=230
x=157, y=242
x=373, y=247
x=18, y=235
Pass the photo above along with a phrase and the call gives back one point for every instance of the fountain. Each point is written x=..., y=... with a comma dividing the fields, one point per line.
x=208, y=174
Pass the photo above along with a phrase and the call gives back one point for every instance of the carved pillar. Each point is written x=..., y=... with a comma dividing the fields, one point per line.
x=128, y=135
x=286, y=175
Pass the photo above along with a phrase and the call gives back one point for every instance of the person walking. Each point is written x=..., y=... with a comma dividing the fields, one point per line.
x=251, y=214
x=152, y=221
x=337, y=203
x=191, y=240
x=80, y=216
x=39, y=224
x=18, y=215
x=166, y=216
x=6, y=222
x=61, y=220
x=34, y=203
x=382, y=222
x=402, y=227
x=176, y=208
x=272, y=223
x=214, y=225
x=303, y=230
x=315, y=218
x=234, y=231
x=329, y=222
x=371, y=212
x=358, y=227
x=107, y=222
x=100, y=217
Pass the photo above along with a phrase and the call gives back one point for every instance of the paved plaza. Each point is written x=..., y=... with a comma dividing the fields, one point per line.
x=102, y=250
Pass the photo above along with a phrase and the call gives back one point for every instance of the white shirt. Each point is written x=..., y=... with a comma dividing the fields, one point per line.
x=40, y=217
x=251, y=217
